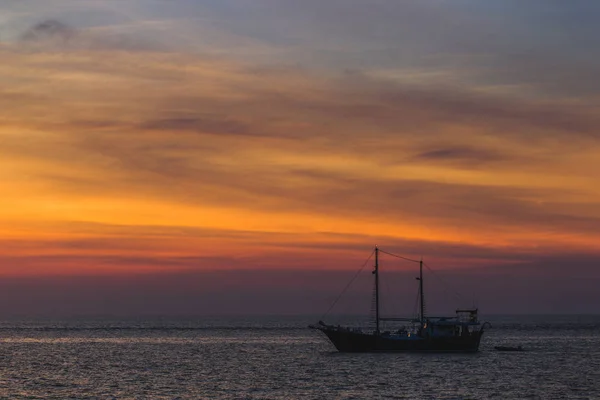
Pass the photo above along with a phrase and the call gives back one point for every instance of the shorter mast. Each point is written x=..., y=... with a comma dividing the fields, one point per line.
x=376, y=272
x=422, y=295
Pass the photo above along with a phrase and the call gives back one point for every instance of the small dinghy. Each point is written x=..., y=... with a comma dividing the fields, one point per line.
x=508, y=348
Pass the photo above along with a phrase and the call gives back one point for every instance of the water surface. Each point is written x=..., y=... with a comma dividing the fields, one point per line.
x=278, y=358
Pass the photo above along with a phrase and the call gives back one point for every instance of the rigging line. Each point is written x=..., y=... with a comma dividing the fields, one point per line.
x=387, y=294
x=443, y=281
x=397, y=256
x=348, y=285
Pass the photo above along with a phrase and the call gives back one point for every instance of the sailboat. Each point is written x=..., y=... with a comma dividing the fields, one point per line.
x=461, y=333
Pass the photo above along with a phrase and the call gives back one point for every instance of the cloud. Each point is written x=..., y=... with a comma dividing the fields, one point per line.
x=470, y=44
x=206, y=125
x=85, y=249
x=198, y=132
x=465, y=156
x=49, y=30
x=53, y=34
x=188, y=94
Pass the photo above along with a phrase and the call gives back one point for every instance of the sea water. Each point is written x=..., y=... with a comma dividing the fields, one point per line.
x=279, y=358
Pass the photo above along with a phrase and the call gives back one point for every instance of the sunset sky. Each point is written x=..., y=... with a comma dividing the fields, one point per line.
x=152, y=140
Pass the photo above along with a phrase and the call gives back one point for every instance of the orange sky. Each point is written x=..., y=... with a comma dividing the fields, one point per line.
x=121, y=153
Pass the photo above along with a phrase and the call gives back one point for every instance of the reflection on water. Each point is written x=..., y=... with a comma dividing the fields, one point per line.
x=279, y=358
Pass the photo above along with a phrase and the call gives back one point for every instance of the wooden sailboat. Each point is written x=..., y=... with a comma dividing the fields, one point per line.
x=459, y=333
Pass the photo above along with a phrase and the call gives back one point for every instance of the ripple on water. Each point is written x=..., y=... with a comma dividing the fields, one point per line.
x=233, y=362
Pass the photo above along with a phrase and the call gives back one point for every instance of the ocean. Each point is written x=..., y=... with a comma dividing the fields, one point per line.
x=279, y=358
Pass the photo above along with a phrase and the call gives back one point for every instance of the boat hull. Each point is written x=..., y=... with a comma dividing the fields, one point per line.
x=358, y=342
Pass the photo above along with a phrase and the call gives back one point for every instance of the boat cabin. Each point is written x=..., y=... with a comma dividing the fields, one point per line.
x=463, y=324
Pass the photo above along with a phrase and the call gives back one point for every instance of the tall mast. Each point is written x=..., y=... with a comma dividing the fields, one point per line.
x=376, y=272
x=421, y=291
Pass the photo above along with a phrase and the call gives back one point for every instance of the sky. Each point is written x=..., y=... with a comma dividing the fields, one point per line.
x=246, y=156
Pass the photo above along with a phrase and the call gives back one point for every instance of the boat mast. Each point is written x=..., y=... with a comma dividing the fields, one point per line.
x=376, y=272
x=421, y=292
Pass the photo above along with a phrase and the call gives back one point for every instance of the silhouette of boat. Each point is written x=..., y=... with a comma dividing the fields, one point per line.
x=461, y=333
